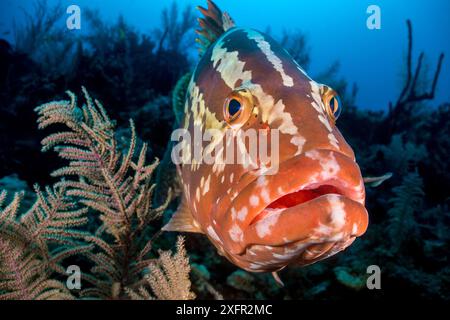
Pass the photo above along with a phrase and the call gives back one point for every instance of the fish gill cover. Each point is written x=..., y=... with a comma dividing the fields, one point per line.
x=86, y=219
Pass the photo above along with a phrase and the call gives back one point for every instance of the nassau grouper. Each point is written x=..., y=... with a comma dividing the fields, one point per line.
x=310, y=207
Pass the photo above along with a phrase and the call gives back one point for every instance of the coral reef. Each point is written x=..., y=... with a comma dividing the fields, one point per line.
x=99, y=215
x=33, y=245
x=99, y=212
x=169, y=278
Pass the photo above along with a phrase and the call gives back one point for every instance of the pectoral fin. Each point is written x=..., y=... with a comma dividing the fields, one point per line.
x=376, y=181
x=277, y=279
x=182, y=220
x=179, y=97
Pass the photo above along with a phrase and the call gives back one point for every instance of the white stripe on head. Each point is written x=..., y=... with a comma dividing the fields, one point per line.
x=273, y=59
x=229, y=66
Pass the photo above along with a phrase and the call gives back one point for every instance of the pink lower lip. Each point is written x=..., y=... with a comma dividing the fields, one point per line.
x=295, y=238
x=301, y=222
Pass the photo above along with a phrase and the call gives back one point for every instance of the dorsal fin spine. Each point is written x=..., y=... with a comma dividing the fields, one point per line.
x=212, y=25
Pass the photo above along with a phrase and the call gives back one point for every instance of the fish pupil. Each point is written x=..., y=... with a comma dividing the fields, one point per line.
x=233, y=107
x=333, y=104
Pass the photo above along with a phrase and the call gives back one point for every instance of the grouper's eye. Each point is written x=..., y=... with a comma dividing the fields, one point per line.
x=238, y=107
x=332, y=103
x=234, y=106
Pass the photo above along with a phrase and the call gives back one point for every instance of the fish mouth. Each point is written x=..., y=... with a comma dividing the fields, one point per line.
x=305, y=194
x=316, y=199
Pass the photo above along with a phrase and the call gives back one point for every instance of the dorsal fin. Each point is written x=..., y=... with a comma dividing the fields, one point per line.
x=212, y=25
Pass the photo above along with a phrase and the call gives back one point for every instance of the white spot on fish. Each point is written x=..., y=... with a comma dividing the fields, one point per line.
x=254, y=266
x=265, y=195
x=285, y=257
x=313, y=154
x=315, y=93
x=333, y=141
x=202, y=182
x=323, y=230
x=325, y=122
x=206, y=186
x=233, y=213
x=264, y=226
x=197, y=194
x=330, y=166
x=242, y=214
x=298, y=141
x=236, y=233
x=261, y=181
x=354, y=229
x=254, y=200
x=337, y=211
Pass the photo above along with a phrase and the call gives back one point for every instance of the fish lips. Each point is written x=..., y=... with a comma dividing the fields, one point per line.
x=318, y=227
x=305, y=233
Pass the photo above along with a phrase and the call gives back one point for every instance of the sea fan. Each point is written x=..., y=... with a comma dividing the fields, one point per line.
x=114, y=191
x=406, y=202
x=116, y=186
x=33, y=245
x=402, y=155
x=168, y=277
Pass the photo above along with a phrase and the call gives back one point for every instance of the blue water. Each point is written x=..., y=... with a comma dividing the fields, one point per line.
x=336, y=30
